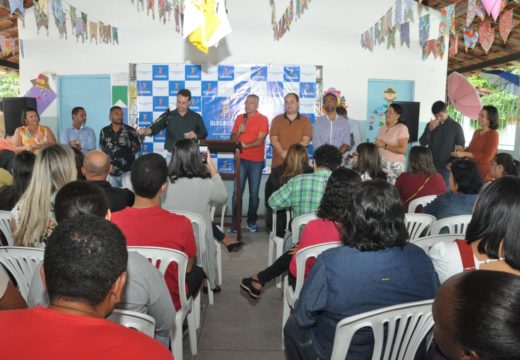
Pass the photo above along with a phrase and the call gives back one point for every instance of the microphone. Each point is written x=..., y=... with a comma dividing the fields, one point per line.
x=160, y=118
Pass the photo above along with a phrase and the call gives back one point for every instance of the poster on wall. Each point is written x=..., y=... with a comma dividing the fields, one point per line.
x=381, y=93
x=218, y=95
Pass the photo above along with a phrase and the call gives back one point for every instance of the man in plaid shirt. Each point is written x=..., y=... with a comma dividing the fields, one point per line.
x=303, y=193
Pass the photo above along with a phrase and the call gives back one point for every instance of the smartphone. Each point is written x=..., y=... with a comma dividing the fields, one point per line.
x=203, y=150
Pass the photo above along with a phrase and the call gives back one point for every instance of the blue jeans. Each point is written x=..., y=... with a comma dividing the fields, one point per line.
x=250, y=171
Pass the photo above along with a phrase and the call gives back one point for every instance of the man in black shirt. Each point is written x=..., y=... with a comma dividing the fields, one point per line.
x=181, y=123
x=96, y=167
x=121, y=143
x=442, y=135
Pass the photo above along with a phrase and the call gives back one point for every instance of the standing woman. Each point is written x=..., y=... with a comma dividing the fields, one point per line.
x=484, y=144
x=392, y=141
x=32, y=136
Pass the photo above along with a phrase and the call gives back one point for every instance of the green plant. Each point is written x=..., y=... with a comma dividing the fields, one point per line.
x=9, y=84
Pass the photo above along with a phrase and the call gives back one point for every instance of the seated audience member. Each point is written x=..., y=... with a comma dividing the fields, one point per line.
x=503, y=164
x=96, y=167
x=465, y=183
x=54, y=167
x=303, y=193
x=335, y=201
x=84, y=274
x=421, y=179
x=491, y=236
x=376, y=268
x=10, y=298
x=146, y=224
x=23, y=165
x=32, y=136
x=367, y=162
x=145, y=289
x=194, y=187
x=295, y=163
x=79, y=157
x=7, y=151
x=477, y=316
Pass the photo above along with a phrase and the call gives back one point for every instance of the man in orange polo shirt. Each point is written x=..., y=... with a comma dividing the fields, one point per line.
x=289, y=128
x=251, y=130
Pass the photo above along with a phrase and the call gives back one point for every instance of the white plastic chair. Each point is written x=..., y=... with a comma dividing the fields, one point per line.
x=456, y=225
x=407, y=326
x=5, y=227
x=276, y=242
x=416, y=224
x=199, y=230
x=290, y=295
x=134, y=320
x=427, y=242
x=420, y=201
x=21, y=262
x=297, y=225
x=275, y=249
x=161, y=258
x=217, y=243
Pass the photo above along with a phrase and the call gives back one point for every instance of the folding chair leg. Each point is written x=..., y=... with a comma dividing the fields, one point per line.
x=270, y=252
x=210, y=295
x=219, y=264
x=196, y=309
x=285, y=315
x=279, y=250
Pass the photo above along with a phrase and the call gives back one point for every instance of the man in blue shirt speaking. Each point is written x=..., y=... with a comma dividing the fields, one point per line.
x=79, y=135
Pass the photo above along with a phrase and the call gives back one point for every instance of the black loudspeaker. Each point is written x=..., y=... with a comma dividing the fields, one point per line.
x=13, y=108
x=410, y=117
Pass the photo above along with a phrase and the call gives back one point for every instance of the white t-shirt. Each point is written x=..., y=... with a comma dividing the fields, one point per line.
x=446, y=260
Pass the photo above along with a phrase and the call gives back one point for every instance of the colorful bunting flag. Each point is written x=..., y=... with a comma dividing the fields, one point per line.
x=408, y=10
x=391, y=37
x=398, y=12
x=405, y=34
x=493, y=7
x=505, y=24
x=454, y=44
x=447, y=24
x=150, y=5
x=93, y=31
x=16, y=7
x=59, y=18
x=470, y=38
x=424, y=29
x=486, y=35
x=115, y=35
x=388, y=19
x=41, y=15
x=73, y=18
x=474, y=9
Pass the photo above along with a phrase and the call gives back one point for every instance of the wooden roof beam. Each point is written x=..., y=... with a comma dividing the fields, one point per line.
x=489, y=63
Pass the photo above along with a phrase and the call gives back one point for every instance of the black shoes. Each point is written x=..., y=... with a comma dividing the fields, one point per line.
x=247, y=286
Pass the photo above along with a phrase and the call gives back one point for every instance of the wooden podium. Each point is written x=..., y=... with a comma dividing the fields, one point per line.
x=230, y=147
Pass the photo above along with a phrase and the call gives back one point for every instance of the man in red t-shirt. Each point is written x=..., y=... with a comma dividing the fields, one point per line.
x=250, y=130
x=147, y=224
x=84, y=271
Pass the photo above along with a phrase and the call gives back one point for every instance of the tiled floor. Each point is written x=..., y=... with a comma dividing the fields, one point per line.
x=237, y=327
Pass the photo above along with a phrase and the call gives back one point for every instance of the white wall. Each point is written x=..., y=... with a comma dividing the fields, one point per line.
x=327, y=34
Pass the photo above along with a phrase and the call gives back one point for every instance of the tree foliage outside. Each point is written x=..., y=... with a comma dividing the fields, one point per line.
x=9, y=84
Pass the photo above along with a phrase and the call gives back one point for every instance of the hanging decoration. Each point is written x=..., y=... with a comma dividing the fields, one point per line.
x=486, y=35
x=388, y=20
x=474, y=9
x=493, y=7
x=405, y=34
x=282, y=25
x=391, y=37
x=16, y=8
x=470, y=38
x=398, y=12
x=8, y=46
x=454, y=45
x=424, y=29
x=81, y=26
x=41, y=10
x=408, y=10
x=505, y=24
x=447, y=24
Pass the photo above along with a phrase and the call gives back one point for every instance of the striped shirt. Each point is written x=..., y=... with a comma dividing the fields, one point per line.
x=302, y=193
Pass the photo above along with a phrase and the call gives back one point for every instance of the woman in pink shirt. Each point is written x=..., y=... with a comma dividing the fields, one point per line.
x=334, y=204
x=392, y=141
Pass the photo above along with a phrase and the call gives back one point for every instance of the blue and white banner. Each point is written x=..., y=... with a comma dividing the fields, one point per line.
x=218, y=94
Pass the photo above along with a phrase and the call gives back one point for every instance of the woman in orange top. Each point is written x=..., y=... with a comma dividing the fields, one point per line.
x=32, y=136
x=484, y=144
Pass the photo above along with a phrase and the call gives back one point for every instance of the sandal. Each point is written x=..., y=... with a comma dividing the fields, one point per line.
x=247, y=285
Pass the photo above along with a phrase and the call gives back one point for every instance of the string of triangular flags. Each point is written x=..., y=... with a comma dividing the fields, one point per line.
x=165, y=9
x=83, y=25
x=282, y=25
x=8, y=46
x=404, y=14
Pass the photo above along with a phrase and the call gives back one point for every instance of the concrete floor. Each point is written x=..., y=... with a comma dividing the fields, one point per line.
x=237, y=327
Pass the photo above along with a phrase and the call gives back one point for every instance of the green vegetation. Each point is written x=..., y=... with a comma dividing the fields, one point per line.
x=9, y=84
x=506, y=103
